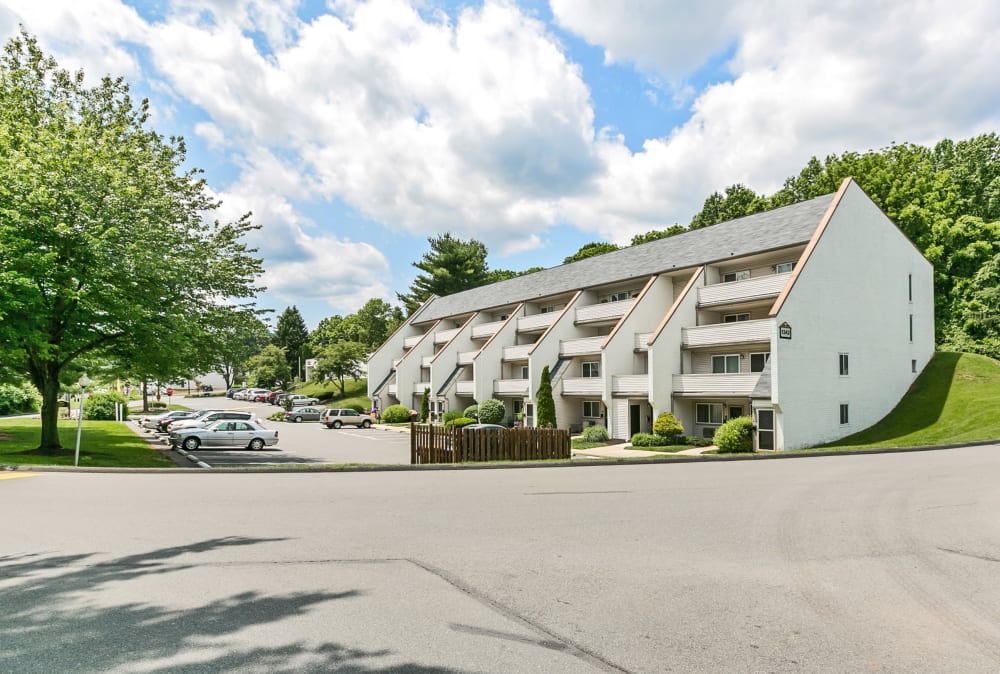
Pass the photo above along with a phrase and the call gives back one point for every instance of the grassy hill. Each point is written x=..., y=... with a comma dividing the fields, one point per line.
x=355, y=393
x=955, y=399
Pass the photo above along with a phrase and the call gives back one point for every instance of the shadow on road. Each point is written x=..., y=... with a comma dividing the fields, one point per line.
x=59, y=615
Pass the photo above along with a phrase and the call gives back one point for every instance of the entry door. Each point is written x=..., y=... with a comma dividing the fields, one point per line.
x=633, y=420
x=765, y=429
x=735, y=412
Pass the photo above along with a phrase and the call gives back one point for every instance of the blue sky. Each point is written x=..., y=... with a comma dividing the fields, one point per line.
x=355, y=129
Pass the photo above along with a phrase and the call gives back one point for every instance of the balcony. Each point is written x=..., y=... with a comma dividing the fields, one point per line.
x=444, y=336
x=519, y=352
x=718, y=334
x=486, y=330
x=630, y=384
x=510, y=386
x=642, y=341
x=419, y=386
x=536, y=322
x=426, y=361
x=411, y=342
x=466, y=388
x=715, y=385
x=758, y=288
x=603, y=312
x=583, y=386
x=393, y=388
x=581, y=347
x=466, y=357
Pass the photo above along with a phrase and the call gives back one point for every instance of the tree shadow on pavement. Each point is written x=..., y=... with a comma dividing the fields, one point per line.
x=60, y=614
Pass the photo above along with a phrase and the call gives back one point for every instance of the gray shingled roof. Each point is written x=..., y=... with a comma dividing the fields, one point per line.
x=751, y=234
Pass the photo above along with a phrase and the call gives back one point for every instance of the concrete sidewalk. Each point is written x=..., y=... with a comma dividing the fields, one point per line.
x=626, y=451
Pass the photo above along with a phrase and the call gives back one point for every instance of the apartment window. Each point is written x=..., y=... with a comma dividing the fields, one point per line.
x=731, y=276
x=844, y=365
x=524, y=372
x=504, y=317
x=784, y=267
x=623, y=295
x=708, y=413
x=551, y=309
x=726, y=364
x=911, y=327
x=735, y=318
x=909, y=283
x=592, y=409
x=913, y=366
x=759, y=360
x=518, y=406
x=592, y=368
x=844, y=414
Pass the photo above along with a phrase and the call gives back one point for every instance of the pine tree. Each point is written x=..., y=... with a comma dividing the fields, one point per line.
x=546, y=405
x=291, y=334
x=425, y=405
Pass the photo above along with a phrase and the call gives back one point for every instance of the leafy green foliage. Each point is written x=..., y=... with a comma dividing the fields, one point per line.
x=738, y=200
x=18, y=399
x=735, y=436
x=590, y=250
x=269, y=368
x=595, y=434
x=492, y=411
x=450, y=414
x=472, y=411
x=395, y=414
x=546, y=404
x=667, y=425
x=101, y=406
x=458, y=422
x=452, y=265
x=340, y=360
x=425, y=405
x=291, y=335
x=657, y=234
x=237, y=336
x=371, y=325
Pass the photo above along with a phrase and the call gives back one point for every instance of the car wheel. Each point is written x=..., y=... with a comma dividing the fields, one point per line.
x=191, y=444
x=298, y=420
x=366, y=424
x=328, y=425
x=256, y=444
x=337, y=424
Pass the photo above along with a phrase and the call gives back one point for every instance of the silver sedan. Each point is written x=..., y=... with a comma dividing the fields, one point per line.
x=225, y=434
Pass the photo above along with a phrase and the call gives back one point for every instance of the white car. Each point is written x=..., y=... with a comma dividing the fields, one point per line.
x=298, y=400
x=212, y=417
x=225, y=434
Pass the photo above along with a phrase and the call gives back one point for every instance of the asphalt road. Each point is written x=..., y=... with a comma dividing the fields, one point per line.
x=306, y=442
x=883, y=563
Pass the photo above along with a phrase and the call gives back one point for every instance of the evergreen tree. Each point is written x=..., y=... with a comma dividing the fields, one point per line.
x=425, y=405
x=546, y=405
x=451, y=266
x=291, y=335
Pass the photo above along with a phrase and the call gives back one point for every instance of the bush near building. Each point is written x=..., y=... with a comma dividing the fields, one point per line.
x=735, y=436
x=666, y=425
x=19, y=399
x=491, y=411
x=472, y=411
x=595, y=434
x=451, y=415
x=459, y=422
x=395, y=414
x=101, y=406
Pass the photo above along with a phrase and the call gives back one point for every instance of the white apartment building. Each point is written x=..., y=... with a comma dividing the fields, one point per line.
x=813, y=318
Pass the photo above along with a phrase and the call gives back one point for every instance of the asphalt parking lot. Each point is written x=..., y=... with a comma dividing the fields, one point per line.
x=303, y=443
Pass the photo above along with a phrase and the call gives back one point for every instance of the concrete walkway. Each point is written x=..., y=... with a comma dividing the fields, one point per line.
x=626, y=451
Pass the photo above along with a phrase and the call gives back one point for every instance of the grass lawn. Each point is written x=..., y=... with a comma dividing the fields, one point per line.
x=955, y=399
x=103, y=443
x=355, y=393
x=667, y=449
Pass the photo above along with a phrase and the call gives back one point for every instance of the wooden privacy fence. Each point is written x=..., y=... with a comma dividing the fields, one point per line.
x=437, y=444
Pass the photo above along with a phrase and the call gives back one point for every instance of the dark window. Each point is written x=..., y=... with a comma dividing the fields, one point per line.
x=910, y=284
x=844, y=370
x=913, y=366
x=844, y=417
x=758, y=361
x=911, y=327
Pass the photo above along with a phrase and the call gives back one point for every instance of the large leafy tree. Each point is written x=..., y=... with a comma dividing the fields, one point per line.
x=291, y=334
x=236, y=337
x=340, y=360
x=590, y=250
x=451, y=265
x=104, y=247
x=738, y=200
x=270, y=367
x=657, y=234
x=376, y=320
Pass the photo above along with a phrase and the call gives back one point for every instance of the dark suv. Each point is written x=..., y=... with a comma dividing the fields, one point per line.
x=335, y=418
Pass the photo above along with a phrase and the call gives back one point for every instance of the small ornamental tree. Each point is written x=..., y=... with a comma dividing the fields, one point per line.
x=734, y=436
x=667, y=425
x=395, y=414
x=472, y=412
x=546, y=405
x=491, y=411
x=425, y=405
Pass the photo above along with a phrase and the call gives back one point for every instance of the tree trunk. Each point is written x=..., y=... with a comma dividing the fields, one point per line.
x=49, y=388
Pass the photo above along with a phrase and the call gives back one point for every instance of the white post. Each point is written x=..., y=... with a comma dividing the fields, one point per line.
x=84, y=382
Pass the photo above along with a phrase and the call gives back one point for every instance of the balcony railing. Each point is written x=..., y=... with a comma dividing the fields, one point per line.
x=637, y=384
x=642, y=341
x=486, y=329
x=466, y=357
x=392, y=390
x=510, y=386
x=519, y=352
x=426, y=361
x=603, y=312
x=742, y=291
x=536, y=321
x=466, y=388
x=583, y=385
x=734, y=385
x=411, y=342
x=419, y=386
x=444, y=336
x=581, y=347
x=740, y=332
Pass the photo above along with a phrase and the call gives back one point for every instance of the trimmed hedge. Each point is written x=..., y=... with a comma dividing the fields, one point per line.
x=101, y=406
x=667, y=425
x=19, y=399
x=653, y=440
x=459, y=422
x=735, y=436
x=595, y=434
x=395, y=414
x=451, y=415
x=472, y=412
x=492, y=411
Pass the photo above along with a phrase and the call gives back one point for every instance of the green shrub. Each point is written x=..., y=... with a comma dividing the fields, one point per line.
x=667, y=425
x=459, y=422
x=101, y=406
x=157, y=405
x=425, y=405
x=451, y=414
x=395, y=414
x=19, y=399
x=492, y=411
x=736, y=435
x=595, y=434
x=653, y=440
x=472, y=412
x=546, y=408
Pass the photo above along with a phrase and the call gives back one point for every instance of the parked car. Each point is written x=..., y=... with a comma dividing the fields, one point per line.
x=479, y=427
x=225, y=434
x=152, y=421
x=304, y=414
x=279, y=399
x=231, y=393
x=335, y=418
x=248, y=394
x=195, y=415
x=298, y=400
x=259, y=396
x=231, y=415
x=273, y=395
x=163, y=423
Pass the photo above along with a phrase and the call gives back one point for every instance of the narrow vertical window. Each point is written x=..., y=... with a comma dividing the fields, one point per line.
x=844, y=365
x=913, y=366
x=911, y=327
x=910, y=286
x=844, y=416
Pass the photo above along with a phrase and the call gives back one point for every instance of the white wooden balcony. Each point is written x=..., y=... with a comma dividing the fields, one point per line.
x=739, y=332
x=536, y=321
x=729, y=385
x=581, y=347
x=411, y=342
x=758, y=288
x=466, y=357
x=603, y=312
x=510, y=386
x=642, y=341
x=583, y=386
x=444, y=336
x=393, y=388
x=426, y=361
x=486, y=330
x=465, y=388
x=519, y=352
x=630, y=384
x=419, y=386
